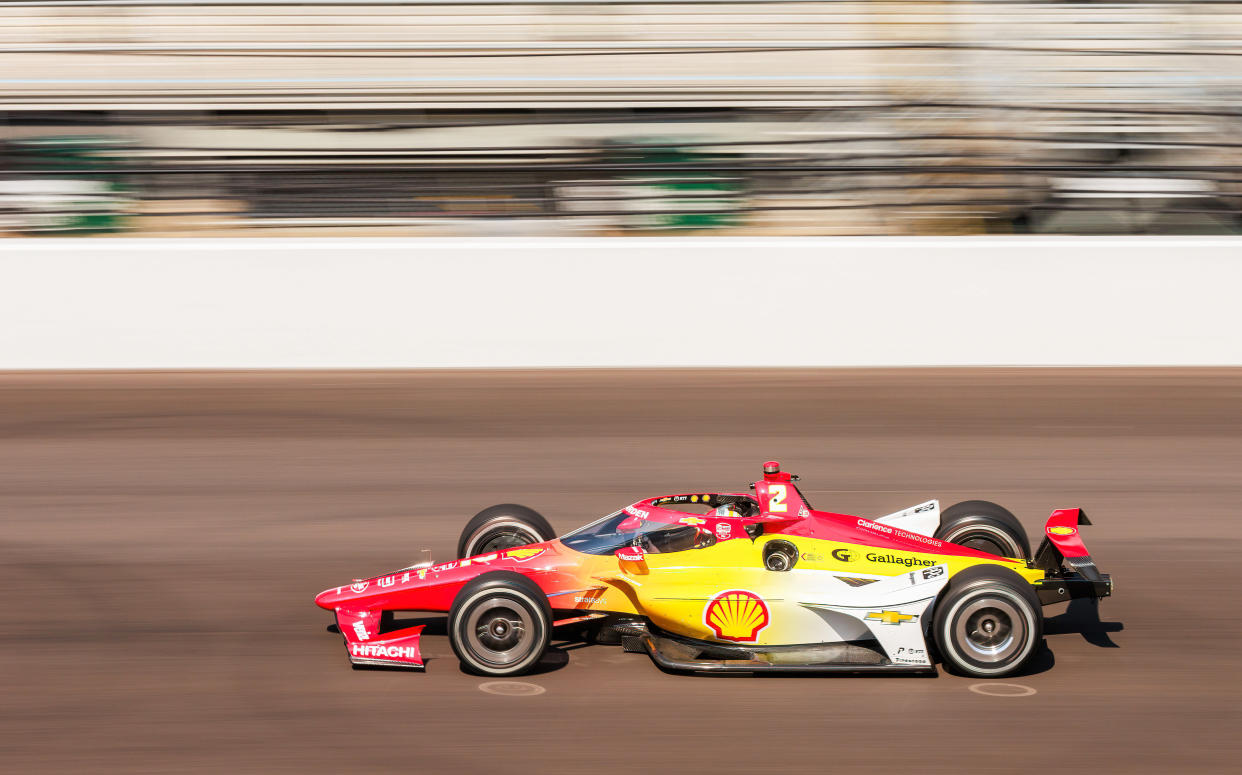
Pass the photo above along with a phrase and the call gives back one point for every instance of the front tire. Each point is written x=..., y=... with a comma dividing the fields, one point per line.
x=506, y=526
x=985, y=526
x=500, y=624
x=988, y=624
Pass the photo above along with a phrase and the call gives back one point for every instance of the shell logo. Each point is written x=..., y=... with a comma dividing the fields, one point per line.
x=1062, y=531
x=736, y=615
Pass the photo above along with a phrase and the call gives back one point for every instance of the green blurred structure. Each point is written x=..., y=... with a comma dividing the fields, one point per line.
x=63, y=184
x=674, y=186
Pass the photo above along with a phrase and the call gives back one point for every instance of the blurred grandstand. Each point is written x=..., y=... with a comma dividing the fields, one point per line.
x=442, y=117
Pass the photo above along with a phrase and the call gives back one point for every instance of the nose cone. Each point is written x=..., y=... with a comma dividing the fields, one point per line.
x=327, y=598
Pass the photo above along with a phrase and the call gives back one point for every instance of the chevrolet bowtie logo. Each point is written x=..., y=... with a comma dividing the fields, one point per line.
x=890, y=617
x=693, y=521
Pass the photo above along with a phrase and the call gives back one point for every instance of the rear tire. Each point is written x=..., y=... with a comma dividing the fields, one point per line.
x=985, y=526
x=988, y=623
x=506, y=526
x=500, y=624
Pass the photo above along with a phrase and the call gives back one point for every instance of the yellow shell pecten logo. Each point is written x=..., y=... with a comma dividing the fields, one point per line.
x=736, y=615
x=1060, y=530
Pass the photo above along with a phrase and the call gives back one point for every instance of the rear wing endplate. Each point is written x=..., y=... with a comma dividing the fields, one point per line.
x=1064, y=557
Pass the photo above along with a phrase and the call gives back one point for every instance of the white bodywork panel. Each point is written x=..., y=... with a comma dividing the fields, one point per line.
x=923, y=519
x=833, y=606
x=892, y=610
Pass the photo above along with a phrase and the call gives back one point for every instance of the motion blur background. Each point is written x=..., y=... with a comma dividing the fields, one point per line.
x=202, y=199
x=777, y=117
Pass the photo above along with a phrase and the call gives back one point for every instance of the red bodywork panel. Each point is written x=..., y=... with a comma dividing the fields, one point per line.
x=433, y=588
x=557, y=569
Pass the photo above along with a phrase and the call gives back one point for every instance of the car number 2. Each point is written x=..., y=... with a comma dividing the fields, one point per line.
x=776, y=498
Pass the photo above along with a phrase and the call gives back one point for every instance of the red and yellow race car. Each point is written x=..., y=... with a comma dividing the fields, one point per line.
x=743, y=581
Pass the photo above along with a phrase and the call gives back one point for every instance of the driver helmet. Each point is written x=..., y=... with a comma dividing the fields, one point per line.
x=727, y=510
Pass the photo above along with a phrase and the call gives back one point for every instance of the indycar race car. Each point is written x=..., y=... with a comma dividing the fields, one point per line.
x=747, y=581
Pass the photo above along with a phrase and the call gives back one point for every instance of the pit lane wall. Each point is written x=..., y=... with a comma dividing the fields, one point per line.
x=626, y=301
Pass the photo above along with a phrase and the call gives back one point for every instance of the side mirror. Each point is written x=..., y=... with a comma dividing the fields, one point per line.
x=630, y=554
x=630, y=524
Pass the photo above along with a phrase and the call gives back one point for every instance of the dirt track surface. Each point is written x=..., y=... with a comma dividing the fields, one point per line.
x=164, y=535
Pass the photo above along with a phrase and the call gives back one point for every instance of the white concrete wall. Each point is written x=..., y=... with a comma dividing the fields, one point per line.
x=383, y=303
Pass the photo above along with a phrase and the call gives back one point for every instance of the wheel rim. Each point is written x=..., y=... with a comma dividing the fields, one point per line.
x=990, y=629
x=497, y=538
x=987, y=539
x=500, y=632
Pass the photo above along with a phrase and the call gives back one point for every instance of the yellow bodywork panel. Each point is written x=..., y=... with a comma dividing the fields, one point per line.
x=723, y=592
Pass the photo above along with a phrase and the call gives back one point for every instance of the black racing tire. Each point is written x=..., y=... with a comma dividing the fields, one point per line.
x=506, y=526
x=988, y=623
x=500, y=624
x=985, y=526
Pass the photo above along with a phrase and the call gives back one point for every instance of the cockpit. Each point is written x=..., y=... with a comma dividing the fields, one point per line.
x=664, y=525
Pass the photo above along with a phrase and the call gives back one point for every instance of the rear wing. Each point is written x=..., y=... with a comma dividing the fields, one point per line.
x=1071, y=573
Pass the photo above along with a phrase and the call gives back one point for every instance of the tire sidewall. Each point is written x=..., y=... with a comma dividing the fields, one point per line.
x=961, y=529
x=987, y=517
x=505, y=515
x=520, y=591
x=985, y=582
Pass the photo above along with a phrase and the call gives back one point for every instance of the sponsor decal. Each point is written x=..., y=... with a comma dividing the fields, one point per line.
x=523, y=553
x=482, y=559
x=361, y=631
x=590, y=599
x=422, y=572
x=681, y=499
x=812, y=557
x=932, y=573
x=909, y=562
x=737, y=615
x=924, y=507
x=1060, y=530
x=890, y=617
x=377, y=650
x=692, y=521
x=360, y=586
x=405, y=577
x=387, y=581
x=723, y=530
x=906, y=534
x=633, y=511
x=630, y=554
x=844, y=555
x=899, y=533
x=803, y=511
x=910, y=656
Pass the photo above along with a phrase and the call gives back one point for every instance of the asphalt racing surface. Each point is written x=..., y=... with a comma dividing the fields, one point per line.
x=164, y=535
